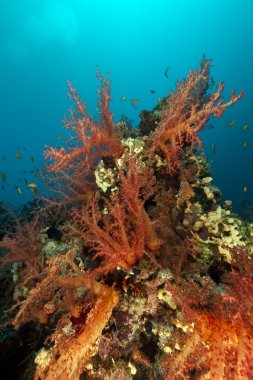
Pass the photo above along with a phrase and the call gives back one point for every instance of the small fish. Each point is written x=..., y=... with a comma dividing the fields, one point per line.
x=159, y=100
x=31, y=158
x=244, y=128
x=209, y=126
x=19, y=190
x=25, y=148
x=25, y=180
x=34, y=190
x=230, y=123
x=123, y=97
x=152, y=91
x=134, y=103
x=32, y=184
x=2, y=187
x=245, y=145
x=3, y=158
x=213, y=148
x=245, y=189
x=166, y=72
x=18, y=155
x=24, y=171
x=3, y=176
x=59, y=137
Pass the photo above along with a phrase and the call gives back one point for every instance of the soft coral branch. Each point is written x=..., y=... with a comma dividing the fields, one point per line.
x=119, y=231
x=187, y=112
x=222, y=340
x=57, y=291
x=93, y=139
x=71, y=175
x=24, y=245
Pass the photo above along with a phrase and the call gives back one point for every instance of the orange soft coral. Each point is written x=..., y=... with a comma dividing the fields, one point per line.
x=92, y=139
x=70, y=176
x=187, y=112
x=119, y=232
x=221, y=344
x=68, y=358
x=83, y=317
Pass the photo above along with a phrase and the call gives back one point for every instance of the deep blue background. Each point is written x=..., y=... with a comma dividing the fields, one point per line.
x=44, y=43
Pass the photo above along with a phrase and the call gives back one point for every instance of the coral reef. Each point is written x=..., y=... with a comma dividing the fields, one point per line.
x=147, y=275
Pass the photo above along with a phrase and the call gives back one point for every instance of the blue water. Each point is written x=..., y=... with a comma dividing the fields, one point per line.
x=44, y=43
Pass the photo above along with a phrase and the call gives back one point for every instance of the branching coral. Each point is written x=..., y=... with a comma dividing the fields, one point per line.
x=118, y=232
x=92, y=139
x=187, y=112
x=78, y=327
x=24, y=245
x=221, y=342
x=72, y=170
x=153, y=285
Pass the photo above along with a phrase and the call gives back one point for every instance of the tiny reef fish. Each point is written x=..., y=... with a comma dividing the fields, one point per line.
x=31, y=158
x=134, y=103
x=245, y=189
x=245, y=145
x=32, y=184
x=244, y=128
x=230, y=123
x=19, y=190
x=59, y=137
x=213, y=148
x=3, y=176
x=152, y=91
x=123, y=97
x=166, y=72
x=18, y=155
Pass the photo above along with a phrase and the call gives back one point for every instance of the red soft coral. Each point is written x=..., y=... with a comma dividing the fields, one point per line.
x=118, y=231
x=92, y=139
x=24, y=245
x=187, y=112
x=71, y=175
x=221, y=345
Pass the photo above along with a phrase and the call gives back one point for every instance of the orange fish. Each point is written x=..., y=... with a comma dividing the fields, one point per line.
x=18, y=155
x=230, y=123
x=3, y=176
x=32, y=184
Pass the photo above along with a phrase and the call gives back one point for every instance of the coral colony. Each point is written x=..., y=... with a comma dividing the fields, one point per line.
x=150, y=276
